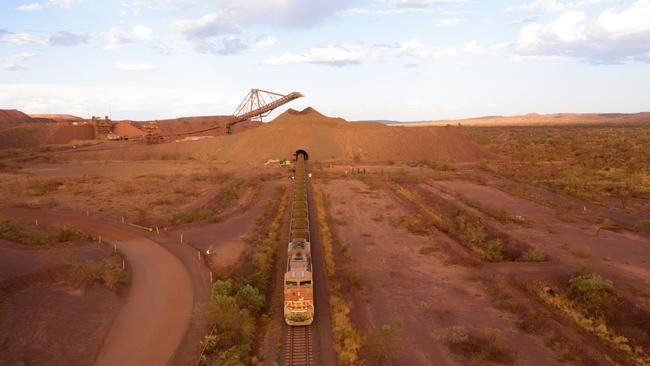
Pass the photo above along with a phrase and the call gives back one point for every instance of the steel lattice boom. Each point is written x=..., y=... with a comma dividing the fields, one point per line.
x=258, y=104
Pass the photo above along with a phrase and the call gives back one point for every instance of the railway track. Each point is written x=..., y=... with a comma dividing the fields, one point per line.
x=298, y=340
x=299, y=351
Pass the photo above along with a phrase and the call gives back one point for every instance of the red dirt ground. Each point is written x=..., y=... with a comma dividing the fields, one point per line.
x=421, y=296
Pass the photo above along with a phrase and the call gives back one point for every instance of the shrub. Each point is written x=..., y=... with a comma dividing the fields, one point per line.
x=110, y=275
x=470, y=234
x=29, y=234
x=249, y=297
x=113, y=277
x=643, y=226
x=533, y=255
x=494, y=252
x=591, y=292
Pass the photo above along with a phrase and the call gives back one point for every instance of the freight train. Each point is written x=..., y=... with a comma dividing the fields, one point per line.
x=298, y=280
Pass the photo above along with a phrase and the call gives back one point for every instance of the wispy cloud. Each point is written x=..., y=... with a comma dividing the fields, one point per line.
x=21, y=39
x=556, y=5
x=116, y=37
x=448, y=23
x=15, y=62
x=355, y=54
x=65, y=4
x=132, y=66
x=68, y=39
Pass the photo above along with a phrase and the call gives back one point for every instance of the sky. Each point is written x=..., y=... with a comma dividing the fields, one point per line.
x=406, y=60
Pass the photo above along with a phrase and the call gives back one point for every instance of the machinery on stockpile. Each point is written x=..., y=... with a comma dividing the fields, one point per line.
x=256, y=105
x=152, y=133
x=298, y=280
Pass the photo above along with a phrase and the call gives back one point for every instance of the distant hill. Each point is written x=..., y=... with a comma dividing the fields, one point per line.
x=535, y=119
x=57, y=117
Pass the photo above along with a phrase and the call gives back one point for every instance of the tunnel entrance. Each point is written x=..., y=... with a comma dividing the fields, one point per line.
x=301, y=152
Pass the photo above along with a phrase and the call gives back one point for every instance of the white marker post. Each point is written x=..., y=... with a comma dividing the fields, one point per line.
x=100, y=239
x=123, y=264
x=199, y=252
x=157, y=231
x=122, y=219
x=181, y=238
x=210, y=276
x=36, y=221
x=87, y=212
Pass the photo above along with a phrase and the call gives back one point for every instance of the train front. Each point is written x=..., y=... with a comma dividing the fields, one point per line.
x=298, y=298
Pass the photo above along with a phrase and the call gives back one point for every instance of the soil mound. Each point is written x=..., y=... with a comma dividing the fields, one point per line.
x=324, y=138
x=65, y=134
x=57, y=117
x=12, y=116
x=127, y=129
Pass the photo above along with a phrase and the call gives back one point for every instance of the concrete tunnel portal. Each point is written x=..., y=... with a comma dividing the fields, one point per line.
x=301, y=152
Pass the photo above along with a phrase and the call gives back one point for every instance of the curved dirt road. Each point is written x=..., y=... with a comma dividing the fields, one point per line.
x=157, y=313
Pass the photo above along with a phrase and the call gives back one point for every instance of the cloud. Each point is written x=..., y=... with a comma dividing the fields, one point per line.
x=15, y=62
x=421, y=3
x=264, y=41
x=555, y=5
x=231, y=45
x=117, y=37
x=68, y=39
x=65, y=4
x=474, y=48
x=20, y=39
x=31, y=7
x=209, y=25
x=612, y=37
x=355, y=54
x=448, y=23
x=526, y=20
x=132, y=66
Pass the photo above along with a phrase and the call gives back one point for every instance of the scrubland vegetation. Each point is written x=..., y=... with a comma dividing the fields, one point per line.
x=106, y=273
x=237, y=303
x=591, y=302
x=347, y=340
x=466, y=229
x=593, y=163
x=31, y=234
x=149, y=199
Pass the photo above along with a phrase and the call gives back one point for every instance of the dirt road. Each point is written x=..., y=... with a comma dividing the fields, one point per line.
x=151, y=324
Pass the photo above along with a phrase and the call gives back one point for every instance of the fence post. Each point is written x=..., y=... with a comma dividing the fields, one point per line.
x=36, y=220
x=123, y=264
x=122, y=219
x=100, y=239
x=181, y=238
x=210, y=276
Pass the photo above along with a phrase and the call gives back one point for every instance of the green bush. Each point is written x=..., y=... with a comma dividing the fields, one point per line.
x=249, y=297
x=533, y=255
x=469, y=233
x=591, y=293
x=494, y=252
x=201, y=215
x=643, y=226
x=222, y=287
x=27, y=233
